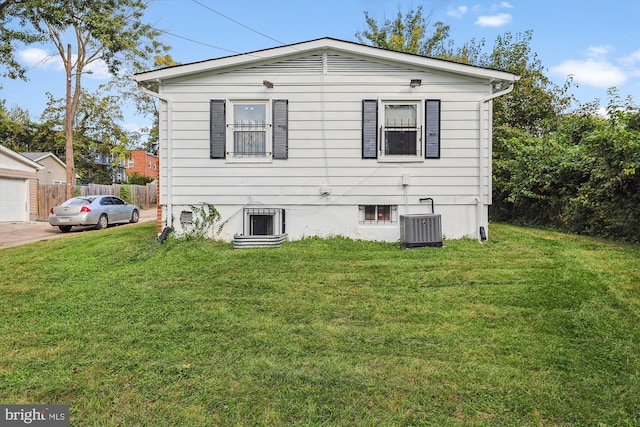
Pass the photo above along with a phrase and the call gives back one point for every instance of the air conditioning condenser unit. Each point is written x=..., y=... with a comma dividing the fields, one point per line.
x=419, y=230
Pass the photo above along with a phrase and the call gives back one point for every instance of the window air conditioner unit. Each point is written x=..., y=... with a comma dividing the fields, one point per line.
x=418, y=230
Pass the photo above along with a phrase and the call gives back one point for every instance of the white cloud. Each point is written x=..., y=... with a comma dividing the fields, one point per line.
x=494, y=20
x=599, y=69
x=632, y=59
x=39, y=58
x=458, y=11
x=136, y=127
x=598, y=51
x=592, y=72
x=99, y=70
x=503, y=5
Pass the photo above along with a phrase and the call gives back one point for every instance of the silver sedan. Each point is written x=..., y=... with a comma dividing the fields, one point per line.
x=100, y=211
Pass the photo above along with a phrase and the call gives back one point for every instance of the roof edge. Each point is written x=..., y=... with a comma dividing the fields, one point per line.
x=19, y=157
x=318, y=44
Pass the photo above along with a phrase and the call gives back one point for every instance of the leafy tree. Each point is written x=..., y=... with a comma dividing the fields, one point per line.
x=535, y=104
x=608, y=201
x=146, y=105
x=15, y=128
x=97, y=133
x=164, y=61
x=20, y=133
x=410, y=33
x=583, y=177
x=137, y=179
x=110, y=31
x=534, y=178
x=14, y=32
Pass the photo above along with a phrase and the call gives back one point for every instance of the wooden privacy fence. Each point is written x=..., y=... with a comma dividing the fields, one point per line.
x=50, y=195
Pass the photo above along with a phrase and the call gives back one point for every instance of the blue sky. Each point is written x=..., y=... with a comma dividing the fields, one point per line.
x=596, y=41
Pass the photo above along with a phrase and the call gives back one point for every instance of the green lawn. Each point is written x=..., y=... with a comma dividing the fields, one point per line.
x=530, y=328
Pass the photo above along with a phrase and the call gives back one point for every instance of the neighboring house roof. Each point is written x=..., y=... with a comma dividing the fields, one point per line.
x=37, y=157
x=324, y=44
x=20, y=158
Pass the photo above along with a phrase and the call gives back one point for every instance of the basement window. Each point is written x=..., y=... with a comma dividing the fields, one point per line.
x=264, y=222
x=378, y=214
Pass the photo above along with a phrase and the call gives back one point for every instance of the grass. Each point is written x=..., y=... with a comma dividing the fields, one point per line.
x=530, y=328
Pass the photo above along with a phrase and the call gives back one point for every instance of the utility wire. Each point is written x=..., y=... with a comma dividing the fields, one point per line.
x=236, y=22
x=195, y=41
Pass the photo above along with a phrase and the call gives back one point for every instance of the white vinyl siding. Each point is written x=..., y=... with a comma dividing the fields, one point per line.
x=324, y=140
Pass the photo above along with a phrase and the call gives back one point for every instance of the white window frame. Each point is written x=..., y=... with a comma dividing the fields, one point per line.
x=362, y=219
x=275, y=213
x=233, y=157
x=419, y=155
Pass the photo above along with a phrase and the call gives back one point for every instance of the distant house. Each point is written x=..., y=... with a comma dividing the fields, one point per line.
x=18, y=187
x=54, y=171
x=142, y=163
x=326, y=137
x=103, y=165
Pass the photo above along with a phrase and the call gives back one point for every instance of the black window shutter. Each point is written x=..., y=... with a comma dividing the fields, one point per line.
x=284, y=222
x=280, y=128
x=369, y=129
x=218, y=131
x=432, y=144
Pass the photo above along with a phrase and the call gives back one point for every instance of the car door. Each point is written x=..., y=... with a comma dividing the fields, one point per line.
x=107, y=207
x=120, y=209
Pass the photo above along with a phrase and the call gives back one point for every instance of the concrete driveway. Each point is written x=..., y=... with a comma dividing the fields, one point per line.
x=20, y=233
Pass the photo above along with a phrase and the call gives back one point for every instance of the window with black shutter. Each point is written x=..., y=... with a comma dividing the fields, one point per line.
x=394, y=131
x=249, y=130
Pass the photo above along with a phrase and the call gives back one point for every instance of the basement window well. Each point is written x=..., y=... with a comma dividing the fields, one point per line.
x=264, y=222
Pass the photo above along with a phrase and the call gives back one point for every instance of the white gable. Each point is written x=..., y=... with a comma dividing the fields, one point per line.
x=309, y=56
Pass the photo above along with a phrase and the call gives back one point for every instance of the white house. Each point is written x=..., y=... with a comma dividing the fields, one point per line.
x=326, y=137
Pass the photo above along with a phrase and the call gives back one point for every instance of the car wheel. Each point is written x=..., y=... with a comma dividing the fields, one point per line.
x=64, y=228
x=102, y=222
x=135, y=216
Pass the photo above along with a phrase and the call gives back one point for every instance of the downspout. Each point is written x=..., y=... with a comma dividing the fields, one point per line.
x=323, y=118
x=480, y=200
x=169, y=147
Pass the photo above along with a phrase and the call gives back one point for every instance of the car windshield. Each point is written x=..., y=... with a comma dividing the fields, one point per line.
x=79, y=201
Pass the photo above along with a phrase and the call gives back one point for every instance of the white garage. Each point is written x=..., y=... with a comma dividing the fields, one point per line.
x=17, y=186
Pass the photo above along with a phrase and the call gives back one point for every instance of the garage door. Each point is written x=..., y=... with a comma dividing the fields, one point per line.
x=13, y=199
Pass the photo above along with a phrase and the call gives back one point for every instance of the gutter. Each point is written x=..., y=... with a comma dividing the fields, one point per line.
x=169, y=102
x=480, y=200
